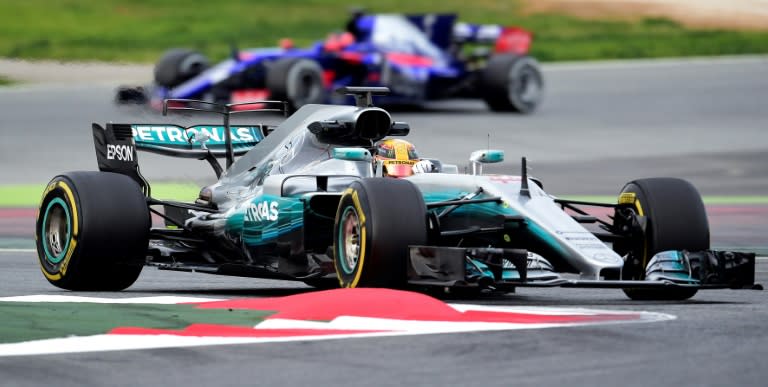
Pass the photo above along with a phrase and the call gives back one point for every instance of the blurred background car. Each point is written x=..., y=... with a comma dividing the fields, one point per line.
x=419, y=57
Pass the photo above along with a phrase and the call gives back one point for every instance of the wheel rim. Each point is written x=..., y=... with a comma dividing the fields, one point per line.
x=304, y=84
x=56, y=230
x=306, y=90
x=349, y=240
x=526, y=87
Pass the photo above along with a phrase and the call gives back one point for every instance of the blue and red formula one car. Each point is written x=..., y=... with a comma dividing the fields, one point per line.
x=419, y=58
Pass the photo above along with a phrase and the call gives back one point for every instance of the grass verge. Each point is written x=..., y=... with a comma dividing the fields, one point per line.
x=29, y=195
x=139, y=31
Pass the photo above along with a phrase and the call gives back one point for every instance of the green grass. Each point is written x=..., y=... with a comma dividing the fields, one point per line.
x=5, y=81
x=29, y=195
x=140, y=30
x=59, y=319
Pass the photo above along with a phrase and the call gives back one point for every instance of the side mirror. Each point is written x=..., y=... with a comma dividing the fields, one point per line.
x=487, y=156
x=352, y=154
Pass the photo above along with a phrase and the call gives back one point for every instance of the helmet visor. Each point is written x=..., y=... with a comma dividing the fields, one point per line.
x=398, y=168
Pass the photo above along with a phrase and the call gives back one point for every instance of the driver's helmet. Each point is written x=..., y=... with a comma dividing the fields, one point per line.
x=396, y=157
x=337, y=42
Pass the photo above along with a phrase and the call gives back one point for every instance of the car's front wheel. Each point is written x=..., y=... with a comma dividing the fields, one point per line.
x=92, y=231
x=675, y=220
x=377, y=219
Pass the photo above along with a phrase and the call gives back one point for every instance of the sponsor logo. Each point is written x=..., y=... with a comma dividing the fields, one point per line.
x=177, y=135
x=216, y=133
x=119, y=152
x=504, y=179
x=261, y=211
x=607, y=258
x=170, y=134
x=627, y=198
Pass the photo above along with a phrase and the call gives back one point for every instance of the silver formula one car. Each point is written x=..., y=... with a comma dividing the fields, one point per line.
x=304, y=200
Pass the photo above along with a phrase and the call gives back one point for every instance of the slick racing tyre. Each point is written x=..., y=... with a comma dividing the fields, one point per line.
x=92, y=231
x=297, y=81
x=377, y=219
x=676, y=220
x=512, y=83
x=178, y=65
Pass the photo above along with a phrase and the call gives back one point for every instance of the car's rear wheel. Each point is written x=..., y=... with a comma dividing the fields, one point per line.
x=92, y=231
x=376, y=221
x=676, y=220
x=512, y=83
x=178, y=65
x=296, y=80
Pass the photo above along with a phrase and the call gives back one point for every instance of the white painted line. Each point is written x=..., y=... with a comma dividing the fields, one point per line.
x=428, y=327
x=57, y=86
x=387, y=327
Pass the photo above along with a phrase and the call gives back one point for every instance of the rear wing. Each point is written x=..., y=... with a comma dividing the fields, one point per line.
x=505, y=39
x=195, y=141
x=116, y=152
x=117, y=144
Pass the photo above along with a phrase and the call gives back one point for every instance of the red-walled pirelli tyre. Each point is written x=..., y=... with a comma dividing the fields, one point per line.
x=512, y=83
x=377, y=219
x=676, y=220
x=92, y=231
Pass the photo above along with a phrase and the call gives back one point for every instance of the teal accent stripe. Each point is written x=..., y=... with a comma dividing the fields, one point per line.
x=261, y=231
x=55, y=259
x=149, y=136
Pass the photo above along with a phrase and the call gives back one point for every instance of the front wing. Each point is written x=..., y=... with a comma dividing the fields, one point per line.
x=505, y=269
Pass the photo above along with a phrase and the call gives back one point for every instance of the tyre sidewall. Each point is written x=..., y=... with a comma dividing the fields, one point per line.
x=501, y=78
x=55, y=268
x=110, y=222
x=356, y=200
x=676, y=220
x=676, y=216
x=526, y=69
x=178, y=65
x=392, y=216
x=285, y=81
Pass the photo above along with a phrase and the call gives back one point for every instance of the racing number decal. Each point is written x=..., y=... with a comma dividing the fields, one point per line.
x=63, y=263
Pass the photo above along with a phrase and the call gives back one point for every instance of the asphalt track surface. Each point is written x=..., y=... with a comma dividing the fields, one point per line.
x=601, y=125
